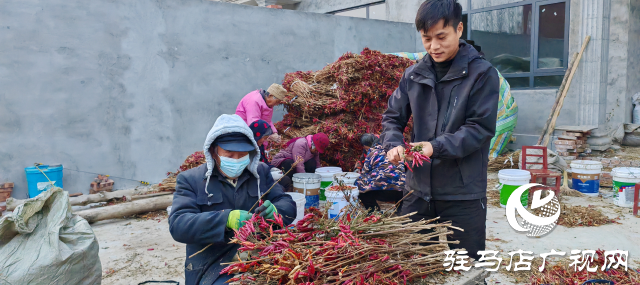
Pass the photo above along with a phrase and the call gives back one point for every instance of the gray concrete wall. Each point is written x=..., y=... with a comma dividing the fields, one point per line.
x=130, y=88
x=326, y=6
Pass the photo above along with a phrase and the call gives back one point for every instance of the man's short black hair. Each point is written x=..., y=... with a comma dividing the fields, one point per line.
x=432, y=11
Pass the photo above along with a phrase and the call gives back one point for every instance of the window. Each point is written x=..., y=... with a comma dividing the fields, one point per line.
x=376, y=11
x=526, y=40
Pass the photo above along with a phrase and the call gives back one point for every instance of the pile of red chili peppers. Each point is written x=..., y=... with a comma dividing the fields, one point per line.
x=356, y=249
x=345, y=100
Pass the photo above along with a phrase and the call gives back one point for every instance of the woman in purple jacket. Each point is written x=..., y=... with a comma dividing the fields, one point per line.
x=308, y=148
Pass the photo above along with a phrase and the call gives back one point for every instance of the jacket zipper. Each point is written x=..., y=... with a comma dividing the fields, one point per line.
x=446, y=116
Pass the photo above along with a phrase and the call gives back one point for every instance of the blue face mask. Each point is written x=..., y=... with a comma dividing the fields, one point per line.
x=233, y=167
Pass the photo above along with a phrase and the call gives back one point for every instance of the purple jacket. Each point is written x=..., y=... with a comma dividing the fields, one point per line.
x=299, y=148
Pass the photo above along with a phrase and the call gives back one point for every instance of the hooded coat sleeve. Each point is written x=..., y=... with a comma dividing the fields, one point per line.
x=188, y=224
x=396, y=117
x=480, y=125
x=300, y=148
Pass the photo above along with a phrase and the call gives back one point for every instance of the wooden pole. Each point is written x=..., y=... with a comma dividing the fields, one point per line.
x=558, y=94
x=556, y=113
x=126, y=209
x=92, y=198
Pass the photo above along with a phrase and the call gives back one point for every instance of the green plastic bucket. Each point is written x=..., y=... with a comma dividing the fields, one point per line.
x=327, y=178
x=624, y=183
x=510, y=180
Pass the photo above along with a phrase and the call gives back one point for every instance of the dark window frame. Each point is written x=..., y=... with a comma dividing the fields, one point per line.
x=534, y=71
x=358, y=7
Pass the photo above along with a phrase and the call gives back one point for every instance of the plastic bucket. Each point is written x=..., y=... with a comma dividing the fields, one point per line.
x=624, y=183
x=336, y=201
x=327, y=178
x=37, y=182
x=585, y=176
x=510, y=180
x=309, y=185
x=347, y=178
x=300, y=200
x=276, y=174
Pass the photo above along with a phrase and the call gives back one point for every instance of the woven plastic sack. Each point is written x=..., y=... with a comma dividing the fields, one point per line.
x=43, y=242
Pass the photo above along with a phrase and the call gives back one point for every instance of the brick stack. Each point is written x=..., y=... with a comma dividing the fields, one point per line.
x=571, y=144
x=5, y=193
x=101, y=183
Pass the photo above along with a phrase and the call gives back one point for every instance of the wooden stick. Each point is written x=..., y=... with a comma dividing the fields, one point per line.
x=274, y=184
x=552, y=125
x=126, y=209
x=555, y=104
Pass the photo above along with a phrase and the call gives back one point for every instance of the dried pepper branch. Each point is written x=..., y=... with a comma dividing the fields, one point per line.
x=354, y=249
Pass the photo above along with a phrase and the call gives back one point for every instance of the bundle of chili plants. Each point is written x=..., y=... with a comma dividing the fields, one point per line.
x=345, y=100
x=356, y=248
x=414, y=156
x=192, y=161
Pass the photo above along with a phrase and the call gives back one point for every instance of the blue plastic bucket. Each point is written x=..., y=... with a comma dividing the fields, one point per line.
x=34, y=176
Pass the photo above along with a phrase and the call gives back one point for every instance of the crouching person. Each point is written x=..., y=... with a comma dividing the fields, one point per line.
x=213, y=200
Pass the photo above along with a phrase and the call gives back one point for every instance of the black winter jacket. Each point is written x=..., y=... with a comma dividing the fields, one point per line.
x=460, y=132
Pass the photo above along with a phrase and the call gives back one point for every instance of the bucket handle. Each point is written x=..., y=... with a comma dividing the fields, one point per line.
x=38, y=164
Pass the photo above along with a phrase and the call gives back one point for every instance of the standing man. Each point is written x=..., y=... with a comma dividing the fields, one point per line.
x=212, y=201
x=259, y=104
x=452, y=94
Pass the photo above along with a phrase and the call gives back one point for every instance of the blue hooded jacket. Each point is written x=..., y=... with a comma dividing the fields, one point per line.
x=204, y=198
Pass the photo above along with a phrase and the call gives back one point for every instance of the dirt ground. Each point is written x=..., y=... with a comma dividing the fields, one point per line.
x=137, y=250
x=141, y=249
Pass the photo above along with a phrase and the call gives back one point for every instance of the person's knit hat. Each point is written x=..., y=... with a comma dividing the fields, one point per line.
x=260, y=129
x=321, y=141
x=277, y=91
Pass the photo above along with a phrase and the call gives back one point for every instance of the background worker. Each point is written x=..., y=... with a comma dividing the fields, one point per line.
x=213, y=200
x=367, y=141
x=308, y=148
x=452, y=94
x=380, y=180
x=261, y=132
x=259, y=104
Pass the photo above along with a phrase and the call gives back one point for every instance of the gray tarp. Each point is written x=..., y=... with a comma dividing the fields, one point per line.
x=43, y=242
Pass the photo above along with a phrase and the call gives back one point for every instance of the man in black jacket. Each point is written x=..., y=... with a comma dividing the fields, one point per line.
x=453, y=96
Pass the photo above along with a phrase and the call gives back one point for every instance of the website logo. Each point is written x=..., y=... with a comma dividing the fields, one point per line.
x=534, y=225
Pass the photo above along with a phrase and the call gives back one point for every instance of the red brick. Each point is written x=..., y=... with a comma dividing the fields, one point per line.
x=274, y=6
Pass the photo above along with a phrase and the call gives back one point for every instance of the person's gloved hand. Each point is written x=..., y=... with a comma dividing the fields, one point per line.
x=237, y=218
x=267, y=210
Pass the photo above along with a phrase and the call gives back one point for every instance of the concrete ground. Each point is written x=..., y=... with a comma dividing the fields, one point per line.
x=137, y=250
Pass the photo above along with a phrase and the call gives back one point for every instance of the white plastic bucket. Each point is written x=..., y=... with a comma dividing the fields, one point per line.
x=300, y=200
x=276, y=174
x=586, y=176
x=327, y=178
x=624, y=183
x=309, y=185
x=510, y=180
x=337, y=201
x=347, y=178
